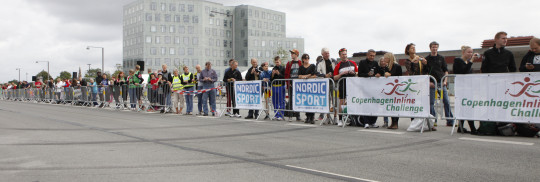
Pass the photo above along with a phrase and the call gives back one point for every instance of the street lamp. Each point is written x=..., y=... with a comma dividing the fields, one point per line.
x=89, y=68
x=228, y=14
x=102, y=56
x=48, y=72
x=19, y=74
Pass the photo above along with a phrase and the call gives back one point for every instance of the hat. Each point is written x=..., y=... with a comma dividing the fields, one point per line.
x=295, y=51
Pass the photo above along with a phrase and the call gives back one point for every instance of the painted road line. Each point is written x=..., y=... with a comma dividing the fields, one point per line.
x=334, y=174
x=307, y=125
x=496, y=141
x=379, y=131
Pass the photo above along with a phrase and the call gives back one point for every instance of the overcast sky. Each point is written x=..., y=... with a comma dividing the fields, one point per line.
x=59, y=30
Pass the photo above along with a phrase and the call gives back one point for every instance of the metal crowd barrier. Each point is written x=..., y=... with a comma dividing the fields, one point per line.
x=231, y=101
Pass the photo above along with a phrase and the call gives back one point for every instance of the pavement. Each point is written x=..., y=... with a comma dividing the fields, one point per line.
x=44, y=142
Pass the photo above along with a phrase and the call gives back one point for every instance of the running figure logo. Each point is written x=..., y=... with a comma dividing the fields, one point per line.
x=527, y=86
x=396, y=86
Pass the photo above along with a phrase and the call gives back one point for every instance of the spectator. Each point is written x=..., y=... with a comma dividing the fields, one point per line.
x=389, y=67
x=325, y=69
x=345, y=68
x=94, y=91
x=104, y=89
x=208, y=77
x=58, y=90
x=154, y=82
x=463, y=65
x=99, y=79
x=177, y=98
x=291, y=72
x=278, y=89
x=161, y=97
x=498, y=59
x=436, y=67
x=168, y=77
x=415, y=64
x=188, y=81
x=307, y=71
x=367, y=68
x=118, y=84
x=229, y=78
x=229, y=101
x=198, y=86
x=133, y=82
x=253, y=73
x=265, y=76
x=531, y=61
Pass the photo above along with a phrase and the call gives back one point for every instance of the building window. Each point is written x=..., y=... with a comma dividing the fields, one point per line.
x=195, y=62
x=250, y=53
x=254, y=23
x=263, y=43
x=181, y=51
x=191, y=29
x=167, y=17
x=153, y=28
x=176, y=18
x=210, y=42
x=182, y=8
x=256, y=14
x=195, y=19
x=153, y=6
x=167, y=40
x=158, y=17
x=157, y=62
x=172, y=7
x=218, y=43
x=153, y=51
x=250, y=13
x=243, y=13
x=171, y=29
x=294, y=45
x=207, y=31
x=177, y=40
x=181, y=29
x=224, y=43
x=211, y=21
x=259, y=54
x=171, y=51
x=163, y=6
x=163, y=28
x=190, y=8
x=148, y=39
x=195, y=41
x=190, y=51
x=242, y=33
x=186, y=18
x=207, y=52
x=148, y=16
x=186, y=40
x=158, y=39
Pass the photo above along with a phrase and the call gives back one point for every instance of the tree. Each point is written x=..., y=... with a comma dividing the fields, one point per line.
x=64, y=75
x=92, y=73
x=282, y=53
x=14, y=81
x=44, y=75
x=115, y=74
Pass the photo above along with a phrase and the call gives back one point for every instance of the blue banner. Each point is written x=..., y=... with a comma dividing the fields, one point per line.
x=248, y=94
x=311, y=95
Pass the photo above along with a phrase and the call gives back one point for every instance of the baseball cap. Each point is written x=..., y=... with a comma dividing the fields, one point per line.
x=295, y=51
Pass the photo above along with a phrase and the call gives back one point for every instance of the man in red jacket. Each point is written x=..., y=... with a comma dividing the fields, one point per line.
x=291, y=72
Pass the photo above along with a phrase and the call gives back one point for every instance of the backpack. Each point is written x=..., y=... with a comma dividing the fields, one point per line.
x=527, y=130
x=487, y=128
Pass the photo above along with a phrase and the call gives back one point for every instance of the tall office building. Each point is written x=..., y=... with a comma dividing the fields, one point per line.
x=191, y=32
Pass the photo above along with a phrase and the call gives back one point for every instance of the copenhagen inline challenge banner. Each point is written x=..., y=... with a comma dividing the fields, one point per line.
x=404, y=96
x=311, y=95
x=498, y=97
x=248, y=94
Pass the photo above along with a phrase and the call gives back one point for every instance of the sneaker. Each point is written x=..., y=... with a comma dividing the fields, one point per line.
x=373, y=126
x=248, y=117
x=279, y=119
x=339, y=123
x=321, y=118
x=366, y=126
x=238, y=115
x=228, y=114
x=213, y=114
x=385, y=125
x=205, y=114
x=290, y=119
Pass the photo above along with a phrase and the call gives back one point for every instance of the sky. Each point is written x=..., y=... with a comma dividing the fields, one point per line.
x=59, y=31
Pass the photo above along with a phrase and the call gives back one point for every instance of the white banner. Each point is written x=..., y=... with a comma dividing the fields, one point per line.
x=405, y=96
x=498, y=97
x=311, y=95
x=248, y=94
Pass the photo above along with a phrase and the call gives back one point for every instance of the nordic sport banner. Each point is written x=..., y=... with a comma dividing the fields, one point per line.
x=404, y=96
x=311, y=95
x=248, y=94
x=513, y=97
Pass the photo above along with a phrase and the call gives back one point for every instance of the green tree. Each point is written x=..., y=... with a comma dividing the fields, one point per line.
x=44, y=75
x=14, y=81
x=92, y=73
x=115, y=74
x=282, y=53
x=64, y=75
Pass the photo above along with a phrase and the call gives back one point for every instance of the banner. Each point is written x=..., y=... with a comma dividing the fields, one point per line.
x=405, y=96
x=311, y=95
x=498, y=97
x=248, y=94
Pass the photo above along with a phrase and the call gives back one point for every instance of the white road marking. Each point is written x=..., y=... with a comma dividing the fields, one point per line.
x=379, y=131
x=308, y=125
x=334, y=174
x=496, y=141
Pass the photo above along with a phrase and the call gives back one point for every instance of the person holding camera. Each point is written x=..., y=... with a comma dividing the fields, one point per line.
x=531, y=61
x=253, y=73
x=463, y=65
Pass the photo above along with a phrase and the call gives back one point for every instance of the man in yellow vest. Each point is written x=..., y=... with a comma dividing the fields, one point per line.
x=188, y=81
x=177, y=97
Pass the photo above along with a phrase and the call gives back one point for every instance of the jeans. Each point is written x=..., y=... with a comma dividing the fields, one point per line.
x=200, y=102
x=94, y=98
x=168, y=99
x=133, y=97
x=189, y=99
x=446, y=103
x=209, y=95
x=278, y=100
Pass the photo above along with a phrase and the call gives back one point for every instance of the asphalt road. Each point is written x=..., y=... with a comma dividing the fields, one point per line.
x=42, y=142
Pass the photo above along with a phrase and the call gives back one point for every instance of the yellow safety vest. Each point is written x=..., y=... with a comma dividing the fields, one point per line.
x=186, y=78
x=176, y=84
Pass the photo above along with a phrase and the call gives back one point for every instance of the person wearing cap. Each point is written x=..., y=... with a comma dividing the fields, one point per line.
x=291, y=72
x=345, y=68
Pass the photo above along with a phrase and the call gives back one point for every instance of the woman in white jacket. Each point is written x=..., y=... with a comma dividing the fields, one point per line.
x=59, y=86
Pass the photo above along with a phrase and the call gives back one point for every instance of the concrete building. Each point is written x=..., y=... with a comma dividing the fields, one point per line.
x=191, y=32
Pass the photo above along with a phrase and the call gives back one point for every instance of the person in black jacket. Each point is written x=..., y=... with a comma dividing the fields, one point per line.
x=531, y=61
x=307, y=71
x=463, y=65
x=367, y=68
x=498, y=59
x=278, y=89
x=229, y=78
x=389, y=67
x=436, y=66
x=253, y=74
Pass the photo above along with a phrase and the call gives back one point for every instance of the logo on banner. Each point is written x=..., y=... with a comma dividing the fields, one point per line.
x=248, y=94
x=396, y=85
x=527, y=86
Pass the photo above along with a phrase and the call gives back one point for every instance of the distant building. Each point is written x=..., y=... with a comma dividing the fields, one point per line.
x=182, y=32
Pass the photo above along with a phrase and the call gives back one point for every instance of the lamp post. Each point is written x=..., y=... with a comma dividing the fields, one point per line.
x=228, y=14
x=19, y=74
x=88, y=68
x=102, y=57
x=48, y=72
